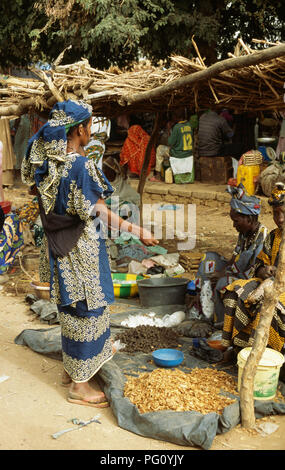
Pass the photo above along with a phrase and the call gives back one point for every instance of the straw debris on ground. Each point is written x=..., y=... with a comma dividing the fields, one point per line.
x=166, y=389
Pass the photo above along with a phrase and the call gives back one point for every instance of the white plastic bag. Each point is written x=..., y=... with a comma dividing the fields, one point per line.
x=136, y=320
x=206, y=298
x=174, y=319
x=118, y=345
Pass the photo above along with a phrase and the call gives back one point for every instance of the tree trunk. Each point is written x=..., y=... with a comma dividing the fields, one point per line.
x=261, y=340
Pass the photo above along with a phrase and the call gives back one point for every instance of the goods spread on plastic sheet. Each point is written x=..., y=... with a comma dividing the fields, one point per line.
x=188, y=404
x=166, y=389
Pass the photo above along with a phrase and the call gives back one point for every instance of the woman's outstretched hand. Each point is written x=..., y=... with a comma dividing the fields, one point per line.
x=114, y=221
x=147, y=238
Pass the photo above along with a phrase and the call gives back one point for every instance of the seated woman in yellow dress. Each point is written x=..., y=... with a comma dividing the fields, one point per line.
x=241, y=316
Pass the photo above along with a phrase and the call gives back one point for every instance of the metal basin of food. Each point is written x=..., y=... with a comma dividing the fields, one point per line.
x=266, y=140
x=162, y=291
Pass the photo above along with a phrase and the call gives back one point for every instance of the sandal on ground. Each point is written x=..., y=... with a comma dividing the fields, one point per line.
x=99, y=403
x=154, y=179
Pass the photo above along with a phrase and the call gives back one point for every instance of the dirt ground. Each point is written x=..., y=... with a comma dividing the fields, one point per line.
x=33, y=403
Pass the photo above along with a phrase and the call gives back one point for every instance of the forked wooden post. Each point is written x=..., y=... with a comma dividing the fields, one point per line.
x=261, y=340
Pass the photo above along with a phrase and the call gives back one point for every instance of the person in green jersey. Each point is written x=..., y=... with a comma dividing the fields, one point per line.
x=180, y=142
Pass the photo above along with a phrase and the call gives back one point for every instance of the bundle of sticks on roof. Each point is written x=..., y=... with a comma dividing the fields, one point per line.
x=250, y=80
x=253, y=88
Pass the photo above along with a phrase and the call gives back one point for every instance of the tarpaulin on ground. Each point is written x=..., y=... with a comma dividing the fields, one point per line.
x=187, y=428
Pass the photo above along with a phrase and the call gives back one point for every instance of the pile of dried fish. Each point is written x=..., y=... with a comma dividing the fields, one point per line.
x=166, y=389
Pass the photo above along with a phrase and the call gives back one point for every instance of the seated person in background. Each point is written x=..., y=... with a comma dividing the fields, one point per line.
x=225, y=113
x=161, y=153
x=242, y=313
x=214, y=136
x=100, y=132
x=221, y=272
x=125, y=200
x=11, y=240
x=134, y=148
x=180, y=141
x=213, y=132
x=281, y=141
x=176, y=146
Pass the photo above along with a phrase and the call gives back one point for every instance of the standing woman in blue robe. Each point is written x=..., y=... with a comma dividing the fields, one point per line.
x=71, y=192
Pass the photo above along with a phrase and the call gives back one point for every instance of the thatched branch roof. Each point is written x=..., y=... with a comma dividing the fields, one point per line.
x=249, y=80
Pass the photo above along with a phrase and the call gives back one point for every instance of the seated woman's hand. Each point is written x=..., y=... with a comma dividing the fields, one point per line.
x=214, y=277
x=266, y=271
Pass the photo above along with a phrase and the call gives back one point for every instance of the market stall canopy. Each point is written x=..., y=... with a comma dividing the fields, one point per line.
x=250, y=80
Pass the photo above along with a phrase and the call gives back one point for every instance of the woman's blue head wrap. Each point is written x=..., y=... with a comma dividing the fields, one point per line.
x=46, y=151
x=241, y=201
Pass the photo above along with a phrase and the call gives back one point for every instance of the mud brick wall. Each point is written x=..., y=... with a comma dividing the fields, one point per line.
x=190, y=194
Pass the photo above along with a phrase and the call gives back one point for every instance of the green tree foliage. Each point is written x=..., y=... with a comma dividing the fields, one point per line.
x=16, y=19
x=259, y=19
x=117, y=32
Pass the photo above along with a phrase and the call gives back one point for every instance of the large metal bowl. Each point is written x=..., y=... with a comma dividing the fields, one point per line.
x=162, y=291
x=266, y=140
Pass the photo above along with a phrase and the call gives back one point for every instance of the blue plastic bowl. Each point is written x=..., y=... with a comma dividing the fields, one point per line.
x=167, y=357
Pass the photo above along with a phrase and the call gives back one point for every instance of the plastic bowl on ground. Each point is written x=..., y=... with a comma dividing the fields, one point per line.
x=168, y=357
x=125, y=285
x=6, y=206
x=41, y=289
x=216, y=344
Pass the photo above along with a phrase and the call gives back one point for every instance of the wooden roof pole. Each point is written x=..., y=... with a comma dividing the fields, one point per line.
x=150, y=145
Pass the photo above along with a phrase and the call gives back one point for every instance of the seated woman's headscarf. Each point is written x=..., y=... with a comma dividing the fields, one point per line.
x=242, y=202
x=277, y=197
x=46, y=151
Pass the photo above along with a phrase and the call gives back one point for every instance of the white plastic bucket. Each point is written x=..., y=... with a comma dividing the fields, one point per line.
x=267, y=373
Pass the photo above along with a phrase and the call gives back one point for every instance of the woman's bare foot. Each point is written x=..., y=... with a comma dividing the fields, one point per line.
x=84, y=394
x=229, y=355
x=114, y=349
x=65, y=378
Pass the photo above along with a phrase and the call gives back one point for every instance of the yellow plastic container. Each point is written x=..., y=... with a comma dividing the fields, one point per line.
x=267, y=373
x=168, y=176
x=248, y=175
